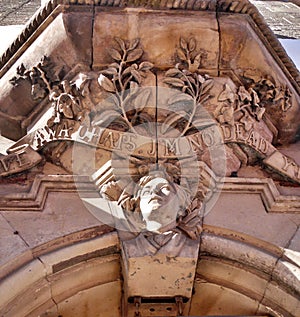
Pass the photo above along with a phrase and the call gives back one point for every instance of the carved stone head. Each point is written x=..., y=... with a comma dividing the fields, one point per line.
x=161, y=202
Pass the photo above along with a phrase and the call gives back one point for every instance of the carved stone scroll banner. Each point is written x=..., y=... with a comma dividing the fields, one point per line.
x=21, y=159
x=129, y=143
x=284, y=165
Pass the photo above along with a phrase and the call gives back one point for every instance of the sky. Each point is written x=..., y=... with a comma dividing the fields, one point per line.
x=293, y=49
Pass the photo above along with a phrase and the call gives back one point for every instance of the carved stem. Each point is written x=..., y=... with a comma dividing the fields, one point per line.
x=190, y=118
x=44, y=78
x=121, y=95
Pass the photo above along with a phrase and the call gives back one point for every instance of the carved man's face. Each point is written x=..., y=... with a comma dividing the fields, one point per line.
x=158, y=201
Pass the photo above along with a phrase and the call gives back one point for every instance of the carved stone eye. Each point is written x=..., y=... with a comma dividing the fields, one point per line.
x=165, y=190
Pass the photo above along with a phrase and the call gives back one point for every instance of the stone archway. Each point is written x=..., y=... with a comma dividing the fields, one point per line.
x=234, y=276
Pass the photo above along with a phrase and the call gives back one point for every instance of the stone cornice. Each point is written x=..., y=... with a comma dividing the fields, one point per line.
x=35, y=199
x=273, y=201
x=218, y=6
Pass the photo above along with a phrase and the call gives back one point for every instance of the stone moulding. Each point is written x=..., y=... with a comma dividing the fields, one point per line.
x=35, y=199
x=53, y=266
x=273, y=201
x=53, y=7
x=274, y=271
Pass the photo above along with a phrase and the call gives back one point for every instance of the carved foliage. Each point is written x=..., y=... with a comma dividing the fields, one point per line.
x=195, y=88
x=121, y=80
x=40, y=76
x=269, y=93
x=243, y=106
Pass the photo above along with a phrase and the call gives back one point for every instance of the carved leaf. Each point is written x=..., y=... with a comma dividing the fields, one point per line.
x=145, y=66
x=106, y=83
x=244, y=94
x=134, y=87
x=260, y=113
x=134, y=55
x=109, y=71
x=115, y=54
x=127, y=71
x=203, y=122
x=181, y=54
x=197, y=61
x=204, y=98
x=136, y=75
x=201, y=79
x=21, y=70
x=175, y=82
x=183, y=43
x=14, y=81
x=278, y=94
x=228, y=114
x=206, y=86
x=106, y=117
x=142, y=99
x=181, y=97
x=192, y=79
x=114, y=65
x=192, y=44
x=172, y=119
x=121, y=43
x=172, y=72
x=133, y=44
x=227, y=94
x=111, y=102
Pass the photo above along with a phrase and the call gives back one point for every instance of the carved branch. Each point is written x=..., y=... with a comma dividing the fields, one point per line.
x=125, y=73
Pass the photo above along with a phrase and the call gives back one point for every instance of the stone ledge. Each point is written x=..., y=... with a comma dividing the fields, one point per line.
x=35, y=199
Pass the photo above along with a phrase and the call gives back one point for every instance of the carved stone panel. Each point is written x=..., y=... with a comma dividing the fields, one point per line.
x=160, y=118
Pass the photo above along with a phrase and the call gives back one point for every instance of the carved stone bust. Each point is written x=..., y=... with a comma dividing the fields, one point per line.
x=156, y=216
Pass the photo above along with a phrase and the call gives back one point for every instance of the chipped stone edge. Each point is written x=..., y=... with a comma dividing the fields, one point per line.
x=238, y=6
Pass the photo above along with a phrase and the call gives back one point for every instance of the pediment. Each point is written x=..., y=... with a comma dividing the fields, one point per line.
x=196, y=98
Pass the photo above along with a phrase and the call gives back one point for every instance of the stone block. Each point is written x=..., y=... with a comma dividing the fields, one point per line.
x=244, y=52
x=101, y=300
x=13, y=250
x=80, y=250
x=67, y=39
x=281, y=299
x=30, y=274
x=239, y=252
x=159, y=39
x=84, y=275
x=34, y=298
x=295, y=242
x=244, y=280
x=219, y=301
x=152, y=276
x=63, y=214
x=249, y=217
